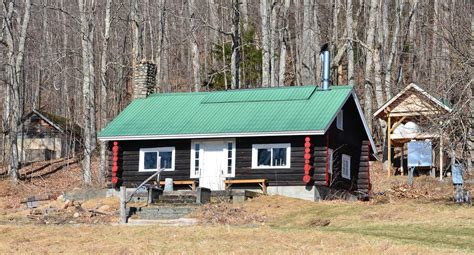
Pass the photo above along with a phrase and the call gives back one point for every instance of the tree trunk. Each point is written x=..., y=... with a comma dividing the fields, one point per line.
x=316, y=47
x=283, y=43
x=378, y=58
x=434, y=45
x=273, y=42
x=369, y=61
x=244, y=13
x=137, y=41
x=393, y=51
x=307, y=53
x=265, y=19
x=14, y=72
x=87, y=29
x=194, y=46
x=161, y=59
x=471, y=105
x=103, y=99
x=350, y=47
x=235, y=58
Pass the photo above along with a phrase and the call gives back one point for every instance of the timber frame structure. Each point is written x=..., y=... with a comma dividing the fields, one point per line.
x=410, y=105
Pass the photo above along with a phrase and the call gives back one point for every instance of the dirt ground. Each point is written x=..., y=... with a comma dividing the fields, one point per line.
x=400, y=219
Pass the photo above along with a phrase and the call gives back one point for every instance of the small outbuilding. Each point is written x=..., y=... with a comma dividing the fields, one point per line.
x=46, y=136
x=407, y=115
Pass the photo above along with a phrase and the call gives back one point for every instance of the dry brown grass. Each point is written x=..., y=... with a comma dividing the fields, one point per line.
x=268, y=224
x=200, y=240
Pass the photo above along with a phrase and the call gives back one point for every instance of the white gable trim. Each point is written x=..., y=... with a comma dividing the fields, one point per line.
x=362, y=118
x=48, y=120
x=366, y=127
x=414, y=86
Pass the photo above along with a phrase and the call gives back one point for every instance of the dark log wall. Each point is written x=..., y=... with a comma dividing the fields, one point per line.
x=129, y=154
x=276, y=177
x=131, y=177
x=348, y=141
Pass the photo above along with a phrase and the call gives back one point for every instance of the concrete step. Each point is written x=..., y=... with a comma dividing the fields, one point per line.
x=162, y=213
x=170, y=222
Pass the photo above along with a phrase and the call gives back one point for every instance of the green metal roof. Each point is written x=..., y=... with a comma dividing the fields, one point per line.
x=267, y=110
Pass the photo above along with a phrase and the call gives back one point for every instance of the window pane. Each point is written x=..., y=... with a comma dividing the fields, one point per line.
x=196, y=150
x=229, y=150
x=279, y=156
x=229, y=166
x=166, y=157
x=150, y=161
x=196, y=166
x=263, y=157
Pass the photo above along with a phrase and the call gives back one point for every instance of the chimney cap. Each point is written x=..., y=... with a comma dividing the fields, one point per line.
x=325, y=47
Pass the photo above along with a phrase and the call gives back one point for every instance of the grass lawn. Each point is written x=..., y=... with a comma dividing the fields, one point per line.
x=290, y=226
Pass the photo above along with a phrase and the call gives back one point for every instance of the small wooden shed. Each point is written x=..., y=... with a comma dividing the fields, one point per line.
x=46, y=136
x=404, y=114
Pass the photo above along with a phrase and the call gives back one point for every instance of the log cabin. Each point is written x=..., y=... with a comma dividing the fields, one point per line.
x=307, y=142
x=303, y=142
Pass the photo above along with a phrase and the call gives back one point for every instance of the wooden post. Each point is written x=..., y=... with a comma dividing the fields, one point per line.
x=389, y=145
x=401, y=160
x=123, y=204
x=441, y=156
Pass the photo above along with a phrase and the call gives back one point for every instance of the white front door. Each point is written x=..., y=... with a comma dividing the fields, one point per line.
x=212, y=175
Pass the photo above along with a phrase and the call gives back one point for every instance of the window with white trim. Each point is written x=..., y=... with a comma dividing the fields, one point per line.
x=148, y=161
x=340, y=120
x=271, y=155
x=197, y=153
x=230, y=158
x=330, y=160
x=346, y=166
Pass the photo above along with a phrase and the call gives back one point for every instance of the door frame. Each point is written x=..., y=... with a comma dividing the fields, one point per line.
x=201, y=142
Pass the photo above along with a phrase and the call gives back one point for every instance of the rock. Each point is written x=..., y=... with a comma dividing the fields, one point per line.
x=437, y=189
x=76, y=215
x=104, y=209
x=36, y=212
x=60, y=198
x=66, y=204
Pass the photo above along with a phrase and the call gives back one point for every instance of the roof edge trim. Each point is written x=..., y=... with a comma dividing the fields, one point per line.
x=219, y=135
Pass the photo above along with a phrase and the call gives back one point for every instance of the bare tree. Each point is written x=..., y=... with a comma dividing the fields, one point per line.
x=283, y=42
x=307, y=49
x=194, y=46
x=266, y=42
x=103, y=89
x=14, y=71
x=87, y=36
x=393, y=50
x=350, y=44
x=369, y=61
x=235, y=59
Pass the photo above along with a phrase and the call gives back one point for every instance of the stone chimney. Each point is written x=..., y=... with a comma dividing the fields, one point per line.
x=144, y=79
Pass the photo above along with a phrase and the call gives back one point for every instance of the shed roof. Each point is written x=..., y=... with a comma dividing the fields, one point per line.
x=303, y=110
x=412, y=100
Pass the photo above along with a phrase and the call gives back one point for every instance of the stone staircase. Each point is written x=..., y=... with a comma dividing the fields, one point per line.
x=170, y=205
x=155, y=212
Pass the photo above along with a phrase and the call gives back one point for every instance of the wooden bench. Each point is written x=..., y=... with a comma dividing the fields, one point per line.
x=192, y=183
x=261, y=182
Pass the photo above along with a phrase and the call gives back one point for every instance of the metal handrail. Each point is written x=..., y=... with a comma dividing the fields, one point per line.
x=157, y=174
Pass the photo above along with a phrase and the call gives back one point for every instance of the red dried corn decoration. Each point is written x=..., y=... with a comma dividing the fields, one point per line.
x=307, y=157
x=115, y=150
